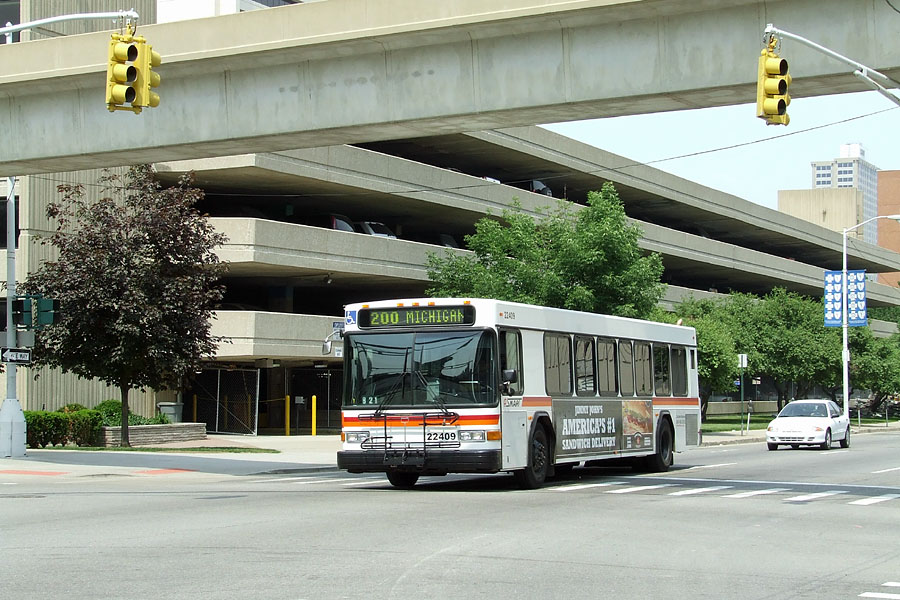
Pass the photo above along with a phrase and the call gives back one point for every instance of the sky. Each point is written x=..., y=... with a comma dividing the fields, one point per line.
x=779, y=160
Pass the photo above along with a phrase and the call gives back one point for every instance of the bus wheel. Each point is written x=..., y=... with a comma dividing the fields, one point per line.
x=402, y=479
x=534, y=475
x=665, y=446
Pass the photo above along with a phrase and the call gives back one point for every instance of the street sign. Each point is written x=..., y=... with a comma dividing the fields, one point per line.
x=856, y=299
x=20, y=356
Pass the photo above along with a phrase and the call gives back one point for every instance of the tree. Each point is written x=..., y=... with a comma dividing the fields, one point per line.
x=135, y=279
x=875, y=365
x=586, y=260
x=717, y=358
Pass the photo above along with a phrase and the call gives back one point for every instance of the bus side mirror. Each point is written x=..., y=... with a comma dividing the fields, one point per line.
x=510, y=376
x=326, y=347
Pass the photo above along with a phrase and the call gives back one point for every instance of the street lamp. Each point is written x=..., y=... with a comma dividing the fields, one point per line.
x=845, y=353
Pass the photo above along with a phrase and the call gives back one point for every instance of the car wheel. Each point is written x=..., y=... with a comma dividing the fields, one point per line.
x=402, y=479
x=795, y=446
x=772, y=446
x=826, y=445
x=845, y=443
x=535, y=473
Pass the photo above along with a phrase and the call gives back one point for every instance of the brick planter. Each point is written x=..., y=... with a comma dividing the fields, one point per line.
x=147, y=435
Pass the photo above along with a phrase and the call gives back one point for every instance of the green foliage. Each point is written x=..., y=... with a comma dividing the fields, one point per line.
x=136, y=279
x=884, y=313
x=84, y=427
x=72, y=407
x=111, y=415
x=586, y=260
x=43, y=428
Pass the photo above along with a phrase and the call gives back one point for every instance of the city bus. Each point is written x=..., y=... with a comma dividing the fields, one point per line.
x=452, y=385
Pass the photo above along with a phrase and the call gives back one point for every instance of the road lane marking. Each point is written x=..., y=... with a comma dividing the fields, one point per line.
x=369, y=481
x=46, y=473
x=569, y=488
x=815, y=496
x=876, y=500
x=320, y=481
x=640, y=488
x=708, y=466
x=757, y=493
x=873, y=472
x=880, y=595
x=714, y=488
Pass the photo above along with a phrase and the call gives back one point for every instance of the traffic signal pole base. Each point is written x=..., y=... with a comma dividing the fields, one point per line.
x=12, y=429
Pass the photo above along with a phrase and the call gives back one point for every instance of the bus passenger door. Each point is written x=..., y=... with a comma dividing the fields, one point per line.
x=513, y=416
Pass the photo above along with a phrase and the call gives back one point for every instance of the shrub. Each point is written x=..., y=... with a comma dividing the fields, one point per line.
x=72, y=407
x=46, y=428
x=84, y=427
x=111, y=412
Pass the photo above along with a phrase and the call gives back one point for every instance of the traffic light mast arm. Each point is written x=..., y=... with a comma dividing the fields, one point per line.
x=10, y=29
x=861, y=71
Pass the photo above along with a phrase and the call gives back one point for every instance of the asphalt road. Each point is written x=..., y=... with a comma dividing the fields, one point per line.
x=728, y=522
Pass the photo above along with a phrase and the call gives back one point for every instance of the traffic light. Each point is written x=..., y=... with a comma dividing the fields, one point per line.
x=121, y=72
x=773, y=80
x=21, y=308
x=147, y=78
x=47, y=312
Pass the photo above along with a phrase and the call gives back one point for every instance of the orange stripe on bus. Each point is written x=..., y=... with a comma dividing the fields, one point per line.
x=676, y=402
x=537, y=401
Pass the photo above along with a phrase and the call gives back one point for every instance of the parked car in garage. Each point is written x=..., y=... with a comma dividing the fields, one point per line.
x=809, y=423
x=374, y=228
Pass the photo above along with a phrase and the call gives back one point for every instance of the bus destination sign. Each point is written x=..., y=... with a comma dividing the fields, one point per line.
x=416, y=316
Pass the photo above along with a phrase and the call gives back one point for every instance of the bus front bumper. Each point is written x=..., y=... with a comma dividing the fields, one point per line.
x=433, y=461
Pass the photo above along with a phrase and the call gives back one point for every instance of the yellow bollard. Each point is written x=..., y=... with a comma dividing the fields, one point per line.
x=287, y=415
x=314, y=415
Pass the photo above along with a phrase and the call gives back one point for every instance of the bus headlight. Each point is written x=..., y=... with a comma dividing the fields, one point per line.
x=471, y=436
x=357, y=437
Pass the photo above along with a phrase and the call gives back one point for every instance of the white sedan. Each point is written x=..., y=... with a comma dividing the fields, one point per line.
x=809, y=423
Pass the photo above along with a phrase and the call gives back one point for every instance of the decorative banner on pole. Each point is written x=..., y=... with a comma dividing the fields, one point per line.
x=856, y=299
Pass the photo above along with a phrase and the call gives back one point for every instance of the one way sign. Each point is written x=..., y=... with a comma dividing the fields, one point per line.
x=16, y=355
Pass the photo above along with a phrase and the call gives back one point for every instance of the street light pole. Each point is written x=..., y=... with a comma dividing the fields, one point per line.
x=845, y=350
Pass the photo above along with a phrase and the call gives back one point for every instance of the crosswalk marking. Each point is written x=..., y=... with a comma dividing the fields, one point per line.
x=570, y=488
x=757, y=493
x=714, y=488
x=880, y=595
x=886, y=470
x=815, y=496
x=876, y=500
x=640, y=488
x=367, y=481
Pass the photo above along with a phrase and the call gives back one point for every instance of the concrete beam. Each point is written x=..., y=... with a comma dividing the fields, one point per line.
x=360, y=70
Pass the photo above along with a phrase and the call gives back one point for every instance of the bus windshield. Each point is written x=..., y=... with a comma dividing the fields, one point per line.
x=421, y=369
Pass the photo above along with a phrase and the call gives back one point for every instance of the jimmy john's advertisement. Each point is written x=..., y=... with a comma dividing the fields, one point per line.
x=588, y=427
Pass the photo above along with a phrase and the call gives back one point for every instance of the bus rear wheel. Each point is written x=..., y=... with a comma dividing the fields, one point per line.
x=535, y=473
x=402, y=479
x=662, y=459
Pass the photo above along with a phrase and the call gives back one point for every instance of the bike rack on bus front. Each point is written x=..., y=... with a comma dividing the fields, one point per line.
x=405, y=453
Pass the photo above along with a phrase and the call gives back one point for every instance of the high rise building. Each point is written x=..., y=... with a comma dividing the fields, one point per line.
x=888, y=204
x=852, y=170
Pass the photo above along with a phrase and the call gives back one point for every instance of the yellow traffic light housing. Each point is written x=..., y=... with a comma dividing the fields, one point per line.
x=147, y=78
x=121, y=72
x=129, y=74
x=773, y=81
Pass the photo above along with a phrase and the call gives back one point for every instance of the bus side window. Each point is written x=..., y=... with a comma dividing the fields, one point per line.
x=557, y=364
x=606, y=363
x=679, y=372
x=511, y=359
x=661, y=370
x=626, y=368
x=584, y=366
x=643, y=369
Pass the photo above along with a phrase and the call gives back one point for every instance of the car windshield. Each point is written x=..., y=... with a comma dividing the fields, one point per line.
x=804, y=409
x=447, y=368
